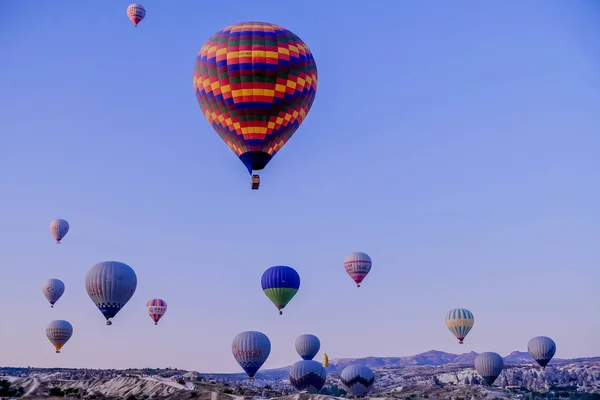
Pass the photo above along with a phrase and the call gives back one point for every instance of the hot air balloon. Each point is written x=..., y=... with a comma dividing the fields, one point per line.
x=110, y=285
x=156, y=309
x=357, y=379
x=251, y=349
x=136, y=13
x=53, y=289
x=460, y=321
x=255, y=83
x=542, y=349
x=325, y=360
x=489, y=365
x=280, y=284
x=58, y=333
x=59, y=228
x=357, y=265
x=308, y=375
x=307, y=346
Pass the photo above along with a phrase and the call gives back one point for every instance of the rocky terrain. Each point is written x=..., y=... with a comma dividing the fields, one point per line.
x=433, y=375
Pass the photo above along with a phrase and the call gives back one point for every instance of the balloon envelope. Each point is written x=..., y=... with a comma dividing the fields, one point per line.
x=58, y=333
x=136, y=13
x=358, y=265
x=307, y=346
x=489, y=365
x=59, y=228
x=255, y=83
x=308, y=375
x=280, y=284
x=110, y=285
x=156, y=309
x=357, y=379
x=251, y=349
x=460, y=321
x=53, y=289
x=542, y=349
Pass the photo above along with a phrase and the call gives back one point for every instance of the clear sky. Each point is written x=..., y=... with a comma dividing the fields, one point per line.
x=455, y=142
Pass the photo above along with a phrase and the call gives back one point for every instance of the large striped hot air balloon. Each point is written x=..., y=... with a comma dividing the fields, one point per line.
x=58, y=333
x=357, y=379
x=308, y=375
x=280, y=284
x=136, y=13
x=307, y=346
x=358, y=265
x=251, y=349
x=156, y=309
x=460, y=321
x=110, y=285
x=255, y=83
x=59, y=228
x=53, y=289
x=489, y=365
x=542, y=349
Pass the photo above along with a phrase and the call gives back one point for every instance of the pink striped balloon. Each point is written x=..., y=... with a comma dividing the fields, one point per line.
x=357, y=265
x=136, y=13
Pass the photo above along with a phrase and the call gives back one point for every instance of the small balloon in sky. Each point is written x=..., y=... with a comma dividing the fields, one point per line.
x=136, y=13
x=58, y=333
x=52, y=290
x=156, y=309
x=59, y=228
x=358, y=265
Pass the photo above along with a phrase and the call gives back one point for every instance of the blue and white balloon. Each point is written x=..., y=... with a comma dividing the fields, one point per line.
x=251, y=349
x=308, y=375
x=542, y=349
x=110, y=285
x=307, y=346
x=357, y=379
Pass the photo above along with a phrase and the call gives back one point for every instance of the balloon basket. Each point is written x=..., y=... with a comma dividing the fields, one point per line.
x=108, y=323
x=255, y=182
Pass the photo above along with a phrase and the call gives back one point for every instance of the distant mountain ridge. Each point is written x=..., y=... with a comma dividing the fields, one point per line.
x=432, y=358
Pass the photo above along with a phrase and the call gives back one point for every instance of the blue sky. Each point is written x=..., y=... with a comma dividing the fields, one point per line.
x=457, y=144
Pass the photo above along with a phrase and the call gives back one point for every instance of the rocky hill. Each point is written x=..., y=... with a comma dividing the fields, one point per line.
x=433, y=375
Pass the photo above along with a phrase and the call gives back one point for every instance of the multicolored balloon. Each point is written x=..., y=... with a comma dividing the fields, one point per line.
x=52, y=290
x=308, y=375
x=358, y=266
x=58, y=333
x=59, y=228
x=460, y=321
x=255, y=83
x=156, y=309
x=357, y=379
x=280, y=284
x=307, y=346
x=489, y=365
x=110, y=285
x=542, y=349
x=251, y=349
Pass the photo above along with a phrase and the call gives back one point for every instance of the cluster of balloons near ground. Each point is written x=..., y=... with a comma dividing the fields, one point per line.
x=490, y=365
x=109, y=284
x=283, y=84
x=251, y=349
